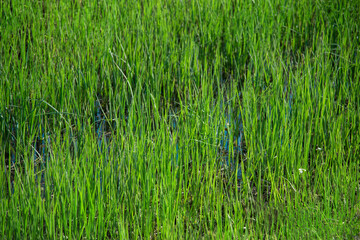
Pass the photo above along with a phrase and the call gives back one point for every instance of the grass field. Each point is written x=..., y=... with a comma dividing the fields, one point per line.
x=153, y=119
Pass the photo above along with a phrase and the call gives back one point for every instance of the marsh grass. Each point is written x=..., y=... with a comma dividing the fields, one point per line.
x=120, y=119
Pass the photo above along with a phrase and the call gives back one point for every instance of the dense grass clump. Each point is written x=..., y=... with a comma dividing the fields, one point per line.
x=179, y=119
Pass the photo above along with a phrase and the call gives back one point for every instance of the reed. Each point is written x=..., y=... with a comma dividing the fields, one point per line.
x=179, y=119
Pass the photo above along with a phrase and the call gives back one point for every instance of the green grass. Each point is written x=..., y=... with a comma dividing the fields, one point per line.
x=290, y=68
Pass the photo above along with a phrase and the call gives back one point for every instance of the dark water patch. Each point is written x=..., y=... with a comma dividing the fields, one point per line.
x=230, y=156
x=41, y=156
x=8, y=128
